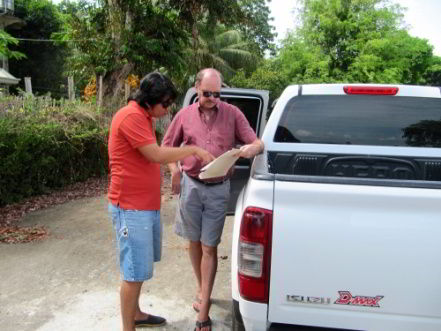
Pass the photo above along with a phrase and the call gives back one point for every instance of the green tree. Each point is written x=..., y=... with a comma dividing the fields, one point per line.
x=396, y=58
x=258, y=29
x=116, y=38
x=433, y=72
x=227, y=35
x=44, y=60
x=226, y=51
x=341, y=27
x=354, y=41
x=266, y=77
x=302, y=62
x=6, y=40
x=251, y=17
x=83, y=31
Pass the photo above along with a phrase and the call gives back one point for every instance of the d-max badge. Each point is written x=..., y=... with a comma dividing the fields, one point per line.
x=346, y=298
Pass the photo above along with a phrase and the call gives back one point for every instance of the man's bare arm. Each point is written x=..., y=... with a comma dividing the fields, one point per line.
x=161, y=154
x=251, y=150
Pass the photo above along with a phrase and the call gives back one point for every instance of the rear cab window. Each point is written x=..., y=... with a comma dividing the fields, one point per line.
x=361, y=120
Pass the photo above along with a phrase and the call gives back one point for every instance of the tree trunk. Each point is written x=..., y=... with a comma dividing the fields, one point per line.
x=114, y=82
x=114, y=20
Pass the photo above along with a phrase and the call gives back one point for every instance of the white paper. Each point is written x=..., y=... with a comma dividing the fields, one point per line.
x=219, y=167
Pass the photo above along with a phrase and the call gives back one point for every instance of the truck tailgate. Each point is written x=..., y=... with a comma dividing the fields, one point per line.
x=368, y=259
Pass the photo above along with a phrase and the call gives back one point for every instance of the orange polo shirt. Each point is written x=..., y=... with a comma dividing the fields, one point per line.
x=135, y=182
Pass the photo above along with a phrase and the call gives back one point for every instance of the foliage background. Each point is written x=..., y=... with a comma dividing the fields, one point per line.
x=355, y=41
x=44, y=61
x=46, y=145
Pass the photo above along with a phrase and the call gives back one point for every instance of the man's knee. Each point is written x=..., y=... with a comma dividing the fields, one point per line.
x=196, y=244
x=131, y=286
x=209, y=251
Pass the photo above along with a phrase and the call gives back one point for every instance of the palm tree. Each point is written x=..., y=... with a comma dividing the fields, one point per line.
x=226, y=51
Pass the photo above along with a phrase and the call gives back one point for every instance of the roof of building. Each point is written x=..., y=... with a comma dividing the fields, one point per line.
x=7, y=78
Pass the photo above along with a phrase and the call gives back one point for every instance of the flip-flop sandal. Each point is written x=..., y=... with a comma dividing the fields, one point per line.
x=203, y=324
x=151, y=321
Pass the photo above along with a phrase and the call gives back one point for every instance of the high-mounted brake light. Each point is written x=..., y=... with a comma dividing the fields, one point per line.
x=371, y=90
x=255, y=254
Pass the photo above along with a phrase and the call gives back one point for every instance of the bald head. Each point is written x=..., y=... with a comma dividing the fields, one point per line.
x=209, y=74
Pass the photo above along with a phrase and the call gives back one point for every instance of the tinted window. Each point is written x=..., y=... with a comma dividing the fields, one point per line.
x=362, y=120
x=249, y=106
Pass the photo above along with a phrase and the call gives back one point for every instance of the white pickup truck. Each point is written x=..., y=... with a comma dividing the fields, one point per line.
x=339, y=224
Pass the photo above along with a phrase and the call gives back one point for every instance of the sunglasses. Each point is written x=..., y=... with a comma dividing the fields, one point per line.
x=167, y=103
x=208, y=94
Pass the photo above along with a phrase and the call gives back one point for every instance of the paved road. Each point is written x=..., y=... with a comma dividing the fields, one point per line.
x=70, y=281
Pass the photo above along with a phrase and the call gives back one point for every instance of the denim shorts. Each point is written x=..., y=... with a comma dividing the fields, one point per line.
x=139, y=241
x=201, y=211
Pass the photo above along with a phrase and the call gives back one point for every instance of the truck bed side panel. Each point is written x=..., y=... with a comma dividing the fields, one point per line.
x=355, y=261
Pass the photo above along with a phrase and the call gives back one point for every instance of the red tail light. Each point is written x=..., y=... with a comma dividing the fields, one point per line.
x=371, y=90
x=254, y=258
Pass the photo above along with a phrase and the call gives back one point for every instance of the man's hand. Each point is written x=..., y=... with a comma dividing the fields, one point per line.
x=176, y=181
x=250, y=150
x=203, y=155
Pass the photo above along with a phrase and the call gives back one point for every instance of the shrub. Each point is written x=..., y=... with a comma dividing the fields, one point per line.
x=44, y=146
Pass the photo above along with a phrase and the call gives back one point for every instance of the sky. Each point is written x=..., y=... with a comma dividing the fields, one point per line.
x=422, y=16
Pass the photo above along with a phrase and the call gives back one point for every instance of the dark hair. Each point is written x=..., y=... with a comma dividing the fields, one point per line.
x=153, y=89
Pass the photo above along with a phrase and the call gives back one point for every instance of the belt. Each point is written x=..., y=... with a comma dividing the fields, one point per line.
x=209, y=183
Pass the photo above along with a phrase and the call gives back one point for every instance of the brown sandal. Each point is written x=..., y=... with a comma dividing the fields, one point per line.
x=203, y=324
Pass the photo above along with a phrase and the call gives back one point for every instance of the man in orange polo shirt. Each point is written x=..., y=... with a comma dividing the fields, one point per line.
x=135, y=190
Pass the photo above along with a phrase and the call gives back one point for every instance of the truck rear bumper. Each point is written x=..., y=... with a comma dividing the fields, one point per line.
x=254, y=315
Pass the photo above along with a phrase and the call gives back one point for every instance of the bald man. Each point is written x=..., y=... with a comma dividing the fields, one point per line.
x=215, y=126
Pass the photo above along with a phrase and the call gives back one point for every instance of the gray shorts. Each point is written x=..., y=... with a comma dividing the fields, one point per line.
x=202, y=210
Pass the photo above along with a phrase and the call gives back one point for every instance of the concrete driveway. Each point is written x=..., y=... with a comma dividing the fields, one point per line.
x=70, y=281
